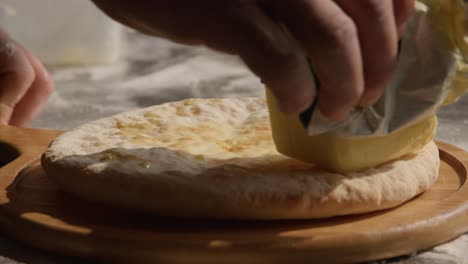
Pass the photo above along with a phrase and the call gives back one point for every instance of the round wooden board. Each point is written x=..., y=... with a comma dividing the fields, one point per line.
x=33, y=210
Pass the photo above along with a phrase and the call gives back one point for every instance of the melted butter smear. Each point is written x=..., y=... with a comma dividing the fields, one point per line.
x=203, y=139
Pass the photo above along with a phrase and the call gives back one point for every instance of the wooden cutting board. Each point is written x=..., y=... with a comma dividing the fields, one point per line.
x=33, y=210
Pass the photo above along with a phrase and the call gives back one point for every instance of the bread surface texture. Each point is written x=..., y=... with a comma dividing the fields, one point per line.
x=215, y=158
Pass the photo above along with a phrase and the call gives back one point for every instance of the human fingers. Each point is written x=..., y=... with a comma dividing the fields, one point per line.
x=378, y=39
x=236, y=27
x=268, y=51
x=330, y=38
x=36, y=97
x=402, y=11
x=16, y=76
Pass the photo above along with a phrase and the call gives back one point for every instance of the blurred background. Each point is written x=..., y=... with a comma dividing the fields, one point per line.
x=101, y=68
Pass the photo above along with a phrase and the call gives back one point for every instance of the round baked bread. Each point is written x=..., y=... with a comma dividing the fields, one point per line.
x=215, y=158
